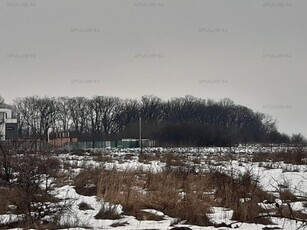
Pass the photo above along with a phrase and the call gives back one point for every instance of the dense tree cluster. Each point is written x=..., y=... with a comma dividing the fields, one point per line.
x=184, y=121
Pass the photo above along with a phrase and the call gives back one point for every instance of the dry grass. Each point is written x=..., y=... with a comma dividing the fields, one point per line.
x=119, y=224
x=79, y=152
x=62, y=178
x=85, y=206
x=177, y=191
x=86, y=182
x=70, y=165
x=183, y=194
x=287, y=195
x=177, y=194
x=173, y=159
x=146, y=158
x=294, y=157
x=108, y=212
x=103, y=158
x=142, y=215
x=4, y=200
x=242, y=194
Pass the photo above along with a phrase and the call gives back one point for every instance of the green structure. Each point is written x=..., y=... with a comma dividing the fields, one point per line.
x=124, y=143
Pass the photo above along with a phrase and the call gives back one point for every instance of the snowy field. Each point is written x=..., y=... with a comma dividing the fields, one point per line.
x=272, y=177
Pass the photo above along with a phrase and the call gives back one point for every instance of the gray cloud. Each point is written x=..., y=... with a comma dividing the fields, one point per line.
x=251, y=51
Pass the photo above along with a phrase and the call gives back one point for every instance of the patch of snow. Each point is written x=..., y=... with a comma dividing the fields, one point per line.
x=220, y=215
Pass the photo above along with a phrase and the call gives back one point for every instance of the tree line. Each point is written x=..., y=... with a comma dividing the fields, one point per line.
x=181, y=121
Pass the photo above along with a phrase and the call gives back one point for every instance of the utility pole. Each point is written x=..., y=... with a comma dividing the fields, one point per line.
x=140, y=132
x=48, y=135
x=245, y=144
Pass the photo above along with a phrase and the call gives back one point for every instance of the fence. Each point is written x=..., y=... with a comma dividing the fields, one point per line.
x=125, y=143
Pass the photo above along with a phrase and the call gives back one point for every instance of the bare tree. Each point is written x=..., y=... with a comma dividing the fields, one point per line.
x=105, y=109
x=298, y=140
x=78, y=107
x=151, y=109
x=2, y=102
x=46, y=110
x=6, y=172
x=127, y=114
x=63, y=117
x=26, y=108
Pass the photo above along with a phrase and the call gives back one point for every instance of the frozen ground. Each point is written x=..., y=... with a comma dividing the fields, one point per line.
x=278, y=176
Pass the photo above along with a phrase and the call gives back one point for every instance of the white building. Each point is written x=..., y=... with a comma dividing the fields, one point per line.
x=8, y=125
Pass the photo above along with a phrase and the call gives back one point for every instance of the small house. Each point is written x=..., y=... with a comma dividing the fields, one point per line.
x=8, y=125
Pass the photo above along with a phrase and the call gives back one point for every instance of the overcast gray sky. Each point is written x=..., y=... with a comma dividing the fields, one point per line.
x=252, y=51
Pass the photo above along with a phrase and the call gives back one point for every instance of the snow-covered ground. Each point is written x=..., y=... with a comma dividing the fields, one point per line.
x=278, y=176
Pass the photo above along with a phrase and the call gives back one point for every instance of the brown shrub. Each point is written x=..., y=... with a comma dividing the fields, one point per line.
x=291, y=157
x=173, y=159
x=175, y=193
x=103, y=158
x=79, y=152
x=146, y=158
x=86, y=182
x=241, y=193
x=3, y=199
x=183, y=194
x=287, y=195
